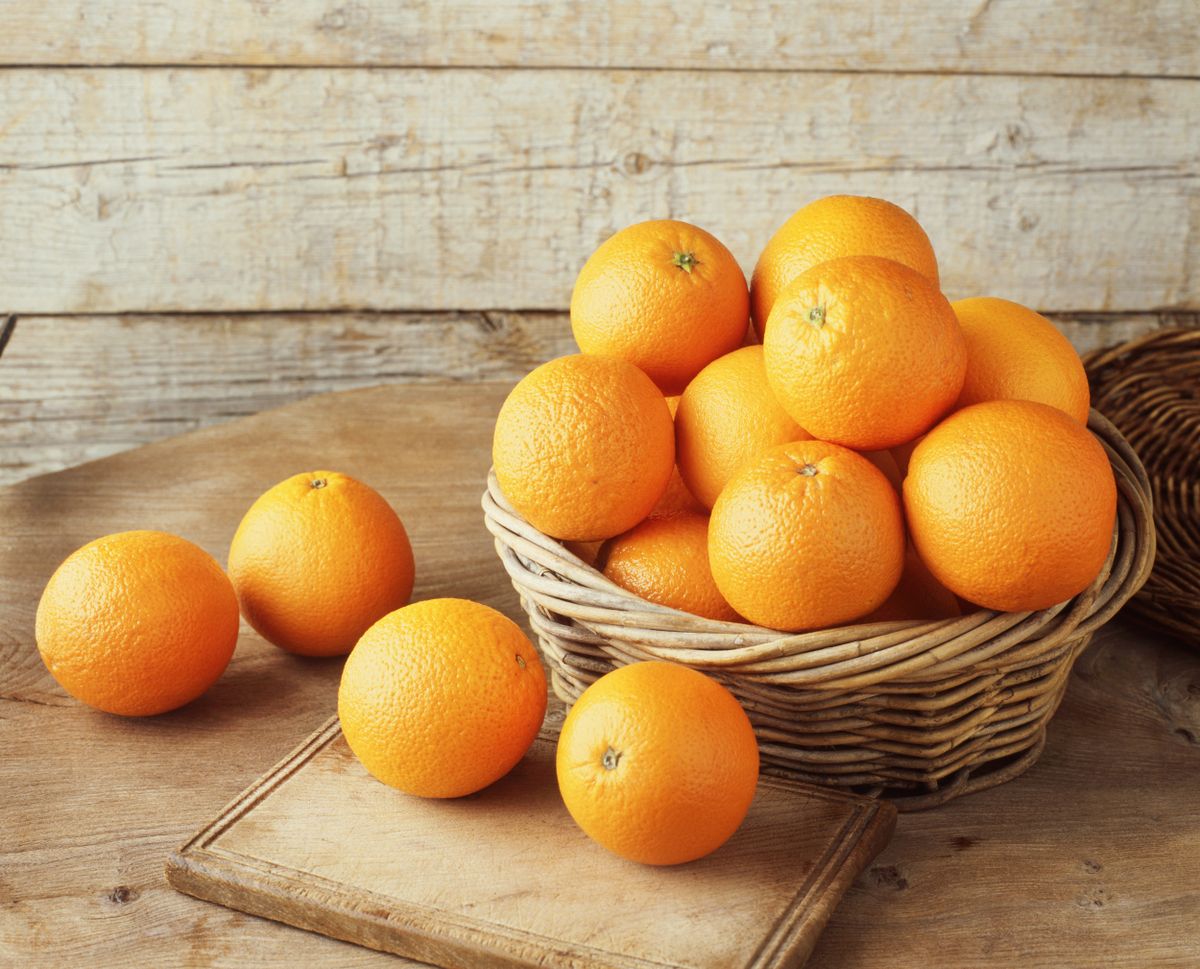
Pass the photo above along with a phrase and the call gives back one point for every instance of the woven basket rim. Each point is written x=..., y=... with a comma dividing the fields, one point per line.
x=856, y=656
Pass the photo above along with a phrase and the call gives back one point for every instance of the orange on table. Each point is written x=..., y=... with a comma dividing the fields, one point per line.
x=658, y=763
x=728, y=416
x=584, y=447
x=137, y=623
x=917, y=596
x=832, y=227
x=665, y=560
x=664, y=295
x=808, y=535
x=1011, y=504
x=864, y=352
x=677, y=499
x=316, y=560
x=1014, y=353
x=442, y=698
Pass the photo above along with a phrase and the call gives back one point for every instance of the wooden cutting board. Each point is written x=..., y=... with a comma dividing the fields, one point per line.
x=505, y=878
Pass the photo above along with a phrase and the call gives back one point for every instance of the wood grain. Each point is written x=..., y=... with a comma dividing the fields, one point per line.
x=74, y=389
x=506, y=878
x=1018, y=36
x=1087, y=860
x=230, y=190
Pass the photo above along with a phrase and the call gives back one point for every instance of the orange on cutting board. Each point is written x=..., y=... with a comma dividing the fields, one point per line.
x=1014, y=353
x=658, y=763
x=584, y=447
x=316, y=560
x=832, y=227
x=137, y=623
x=864, y=352
x=807, y=535
x=665, y=560
x=727, y=416
x=442, y=698
x=1011, y=504
x=664, y=295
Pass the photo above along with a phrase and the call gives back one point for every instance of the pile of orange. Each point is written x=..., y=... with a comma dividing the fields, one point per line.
x=881, y=454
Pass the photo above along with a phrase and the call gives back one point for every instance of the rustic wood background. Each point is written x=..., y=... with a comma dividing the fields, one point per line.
x=207, y=209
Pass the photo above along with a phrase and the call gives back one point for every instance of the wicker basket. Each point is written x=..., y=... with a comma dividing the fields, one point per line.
x=920, y=712
x=1150, y=389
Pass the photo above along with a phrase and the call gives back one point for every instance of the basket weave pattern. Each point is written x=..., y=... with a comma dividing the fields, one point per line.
x=1150, y=388
x=917, y=711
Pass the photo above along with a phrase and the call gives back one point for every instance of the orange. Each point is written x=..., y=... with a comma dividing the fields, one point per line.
x=677, y=499
x=665, y=560
x=137, y=623
x=832, y=227
x=1011, y=504
x=864, y=352
x=727, y=416
x=658, y=763
x=1014, y=353
x=584, y=447
x=664, y=295
x=807, y=535
x=918, y=596
x=316, y=560
x=442, y=698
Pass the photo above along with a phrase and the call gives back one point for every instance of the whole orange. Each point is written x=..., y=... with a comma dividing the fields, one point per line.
x=658, y=763
x=807, y=535
x=727, y=416
x=832, y=227
x=584, y=447
x=1011, y=504
x=678, y=498
x=664, y=295
x=864, y=352
x=1014, y=353
x=316, y=560
x=442, y=698
x=665, y=560
x=137, y=623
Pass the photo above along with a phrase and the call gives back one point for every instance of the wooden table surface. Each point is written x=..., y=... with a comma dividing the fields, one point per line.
x=1090, y=859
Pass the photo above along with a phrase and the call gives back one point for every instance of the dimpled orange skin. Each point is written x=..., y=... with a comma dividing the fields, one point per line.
x=1014, y=353
x=864, y=352
x=808, y=535
x=727, y=416
x=665, y=560
x=584, y=447
x=658, y=763
x=664, y=295
x=316, y=560
x=917, y=596
x=1011, y=504
x=442, y=698
x=832, y=227
x=137, y=623
x=677, y=499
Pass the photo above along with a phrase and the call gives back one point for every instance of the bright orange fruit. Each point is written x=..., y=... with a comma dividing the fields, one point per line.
x=316, y=560
x=1014, y=353
x=665, y=560
x=584, y=447
x=137, y=623
x=442, y=698
x=864, y=352
x=1011, y=504
x=658, y=763
x=678, y=498
x=728, y=416
x=664, y=295
x=832, y=227
x=807, y=535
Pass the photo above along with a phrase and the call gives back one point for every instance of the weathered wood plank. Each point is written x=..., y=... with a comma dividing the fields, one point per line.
x=177, y=190
x=73, y=389
x=1016, y=36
